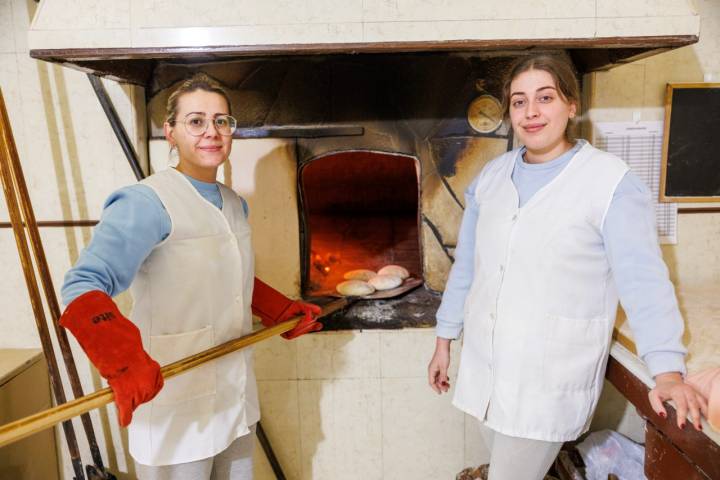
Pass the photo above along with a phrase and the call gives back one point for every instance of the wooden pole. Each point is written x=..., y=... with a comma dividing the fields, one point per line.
x=43, y=270
x=19, y=429
x=8, y=152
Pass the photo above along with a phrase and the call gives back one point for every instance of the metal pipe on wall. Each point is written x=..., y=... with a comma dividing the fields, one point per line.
x=117, y=126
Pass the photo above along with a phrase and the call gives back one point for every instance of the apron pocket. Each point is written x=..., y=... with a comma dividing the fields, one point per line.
x=574, y=347
x=198, y=382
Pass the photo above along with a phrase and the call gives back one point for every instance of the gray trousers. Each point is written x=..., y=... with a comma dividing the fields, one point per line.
x=233, y=463
x=513, y=458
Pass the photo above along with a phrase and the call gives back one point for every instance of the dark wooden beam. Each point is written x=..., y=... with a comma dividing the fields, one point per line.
x=135, y=65
x=664, y=461
x=697, y=446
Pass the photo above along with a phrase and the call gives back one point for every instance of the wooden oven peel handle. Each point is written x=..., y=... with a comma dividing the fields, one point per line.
x=19, y=429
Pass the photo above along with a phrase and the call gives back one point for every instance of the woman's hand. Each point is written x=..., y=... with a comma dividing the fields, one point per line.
x=438, y=368
x=670, y=386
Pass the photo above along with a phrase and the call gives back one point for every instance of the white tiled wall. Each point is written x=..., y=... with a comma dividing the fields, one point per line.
x=364, y=409
x=145, y=23
x=338, y=404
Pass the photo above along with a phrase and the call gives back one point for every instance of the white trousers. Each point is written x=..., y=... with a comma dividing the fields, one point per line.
x=513, y=458
x=233, y=463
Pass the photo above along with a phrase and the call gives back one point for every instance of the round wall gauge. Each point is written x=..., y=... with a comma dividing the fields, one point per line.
x=485, y=114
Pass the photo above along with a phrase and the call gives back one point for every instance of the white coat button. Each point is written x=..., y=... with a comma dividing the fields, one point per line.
x=502, y=268
x=514, y=217
x=492, y=316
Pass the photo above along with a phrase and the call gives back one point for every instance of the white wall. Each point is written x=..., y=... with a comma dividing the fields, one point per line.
x=144, y=23
x=334, y=404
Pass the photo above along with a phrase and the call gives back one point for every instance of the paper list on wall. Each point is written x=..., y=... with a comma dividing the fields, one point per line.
x=640, y=145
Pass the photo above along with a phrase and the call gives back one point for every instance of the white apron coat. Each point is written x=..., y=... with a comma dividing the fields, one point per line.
x=194, y=292
x=539, y=314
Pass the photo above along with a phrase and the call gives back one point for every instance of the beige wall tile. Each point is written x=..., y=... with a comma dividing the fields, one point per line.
x=621, y=87
x=16, y=317
x=357, y=429
x=7, y=32
x=97, y=38
x=414, y=10
x=72, y=139
x=695, y=260
x=643, y=8
x=477, y=29
x=643, y=26
x=706, y=50
x=250, y=35
x=677, y=66
x=23, y=11
x=341, y=429
x=406, y=353
x=83, y=14
x=423, y=429
x=243, y=12
x=276, y=359
x=281, y=422
x=316, y=428
x=272, y=201
x=339, y=355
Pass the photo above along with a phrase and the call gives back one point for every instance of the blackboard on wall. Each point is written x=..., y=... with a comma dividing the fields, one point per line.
x=691, y=149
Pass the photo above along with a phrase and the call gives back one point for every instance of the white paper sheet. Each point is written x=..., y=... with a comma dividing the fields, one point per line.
x=640, y=145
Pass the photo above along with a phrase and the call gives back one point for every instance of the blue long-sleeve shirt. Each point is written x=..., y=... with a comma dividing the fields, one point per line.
x=630, y=239
x=133, y=221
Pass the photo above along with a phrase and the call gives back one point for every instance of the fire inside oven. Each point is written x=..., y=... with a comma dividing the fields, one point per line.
x=360, y=211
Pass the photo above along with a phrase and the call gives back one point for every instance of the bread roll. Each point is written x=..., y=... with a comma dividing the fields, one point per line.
x=395, y=270
x=354, y=288
x=385, y=282
x=361, y=274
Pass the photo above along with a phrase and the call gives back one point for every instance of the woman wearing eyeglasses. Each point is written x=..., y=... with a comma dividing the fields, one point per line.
x=181, y=242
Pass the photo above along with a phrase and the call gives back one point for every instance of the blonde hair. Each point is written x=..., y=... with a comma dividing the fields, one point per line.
x=559, y=69
x=199, y=81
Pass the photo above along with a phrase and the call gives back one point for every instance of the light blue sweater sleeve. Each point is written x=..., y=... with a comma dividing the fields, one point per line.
x=132, y=223
x=642, y=279
x=450, y=314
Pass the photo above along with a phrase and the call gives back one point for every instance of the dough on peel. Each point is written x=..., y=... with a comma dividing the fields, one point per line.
x=385, y=282
x=360, y=274
x=395, y=270
x=354, y=288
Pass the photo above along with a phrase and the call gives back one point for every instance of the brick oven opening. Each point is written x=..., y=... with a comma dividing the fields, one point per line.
x=359, y=211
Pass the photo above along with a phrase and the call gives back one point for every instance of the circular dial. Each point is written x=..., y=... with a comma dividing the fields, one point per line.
x=485, y=114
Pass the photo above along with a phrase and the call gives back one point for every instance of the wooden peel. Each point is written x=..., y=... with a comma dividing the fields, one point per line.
x=19, y=429
x=410, y=283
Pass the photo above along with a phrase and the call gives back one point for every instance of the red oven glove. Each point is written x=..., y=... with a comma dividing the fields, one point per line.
x=273, y=307
x=113, y=345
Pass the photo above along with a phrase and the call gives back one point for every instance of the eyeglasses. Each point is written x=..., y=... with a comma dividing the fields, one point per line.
x=197, y=124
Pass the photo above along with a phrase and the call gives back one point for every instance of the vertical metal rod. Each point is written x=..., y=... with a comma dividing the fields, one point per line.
x=41, y=263
x=8, y=151
x=117, y=126
x=267, y=448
